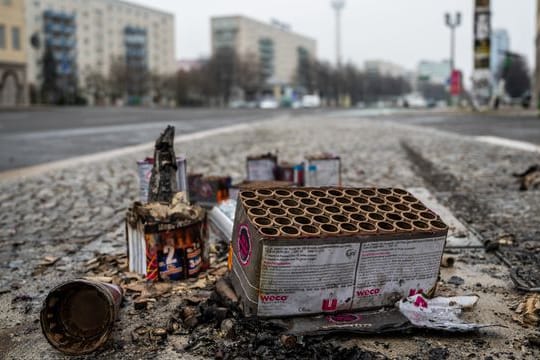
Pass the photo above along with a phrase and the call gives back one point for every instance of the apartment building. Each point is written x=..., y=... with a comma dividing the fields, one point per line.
x=12, y=53
x=277, y=49
x=87, y=37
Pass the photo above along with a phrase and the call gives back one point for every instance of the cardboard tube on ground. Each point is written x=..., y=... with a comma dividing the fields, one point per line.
x=448, y=261
x=77, y=316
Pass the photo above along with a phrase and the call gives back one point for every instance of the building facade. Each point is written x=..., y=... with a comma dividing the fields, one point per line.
x=88, y=38
x=278, y=50
x=500, y=43
x=12, y=53
x=434, y=72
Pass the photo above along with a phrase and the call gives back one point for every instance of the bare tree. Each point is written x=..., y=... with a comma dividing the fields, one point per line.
x=97, y=86
x=516, y=75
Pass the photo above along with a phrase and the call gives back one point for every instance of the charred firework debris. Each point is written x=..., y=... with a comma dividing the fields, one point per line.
x=163, y=182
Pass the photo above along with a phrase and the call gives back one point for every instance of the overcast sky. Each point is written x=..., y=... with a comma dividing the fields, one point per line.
x=401, y=31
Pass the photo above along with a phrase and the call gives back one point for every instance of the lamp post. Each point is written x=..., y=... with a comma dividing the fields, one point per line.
x=338, y=5
x=452, y=22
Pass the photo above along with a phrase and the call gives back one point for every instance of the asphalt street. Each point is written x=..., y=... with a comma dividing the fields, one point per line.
x=38, y=136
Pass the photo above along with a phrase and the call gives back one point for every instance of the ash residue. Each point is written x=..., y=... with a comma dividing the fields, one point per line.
x=220, y=331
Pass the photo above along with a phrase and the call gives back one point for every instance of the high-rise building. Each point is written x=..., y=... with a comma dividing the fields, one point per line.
x=89, y=37
x=500, y=43
x=12, y=53
x=277, y=49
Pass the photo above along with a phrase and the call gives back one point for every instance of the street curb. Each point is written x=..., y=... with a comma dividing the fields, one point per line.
x=31, y=171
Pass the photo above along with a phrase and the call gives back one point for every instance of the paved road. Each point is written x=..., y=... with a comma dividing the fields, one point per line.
x=40, y=136
x=521, y=127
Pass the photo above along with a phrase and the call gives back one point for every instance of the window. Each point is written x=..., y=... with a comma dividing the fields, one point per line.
x=16, y=38
x=2, y=37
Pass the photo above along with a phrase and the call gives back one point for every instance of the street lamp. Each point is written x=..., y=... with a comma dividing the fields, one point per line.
x=452, y=23
x=338, y=5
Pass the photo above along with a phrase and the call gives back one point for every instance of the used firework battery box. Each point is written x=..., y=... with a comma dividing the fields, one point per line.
x=166, y=250
x=324, y=250
x=262, y=167
x=322, y=170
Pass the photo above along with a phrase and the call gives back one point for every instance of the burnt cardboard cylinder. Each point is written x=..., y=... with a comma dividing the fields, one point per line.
x=77, y=316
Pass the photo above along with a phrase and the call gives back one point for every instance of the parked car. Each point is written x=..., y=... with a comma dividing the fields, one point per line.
x=268, y=103
x=311, y=101
x=414, y=100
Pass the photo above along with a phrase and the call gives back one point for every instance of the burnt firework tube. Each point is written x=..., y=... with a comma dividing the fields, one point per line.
x=77, y=316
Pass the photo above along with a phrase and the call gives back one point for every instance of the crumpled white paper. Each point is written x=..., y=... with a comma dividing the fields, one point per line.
x=440, y=313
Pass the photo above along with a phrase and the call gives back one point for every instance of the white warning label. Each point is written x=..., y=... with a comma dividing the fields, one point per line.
x=389, y=269
x=327, y=278
x=307, y=279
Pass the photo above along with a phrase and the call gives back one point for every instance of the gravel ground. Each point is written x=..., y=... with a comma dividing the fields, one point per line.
x=77, y=212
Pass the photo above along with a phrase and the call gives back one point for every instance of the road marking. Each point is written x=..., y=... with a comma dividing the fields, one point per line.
x=107, y=155
x=515, y=144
